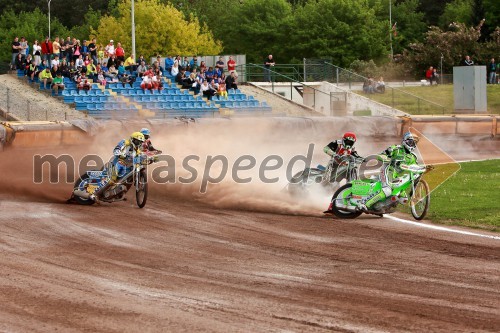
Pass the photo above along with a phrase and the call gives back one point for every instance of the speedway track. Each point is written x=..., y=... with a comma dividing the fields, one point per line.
x=190, y=263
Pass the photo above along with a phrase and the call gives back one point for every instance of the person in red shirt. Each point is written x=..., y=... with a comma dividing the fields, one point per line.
x=429, y=74
x=231, y=66
x=47, y=50
x=120, y=52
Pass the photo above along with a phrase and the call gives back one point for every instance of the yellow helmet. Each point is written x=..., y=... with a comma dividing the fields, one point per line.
x=137, y=138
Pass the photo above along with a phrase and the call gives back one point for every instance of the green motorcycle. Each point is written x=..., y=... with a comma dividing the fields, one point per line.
x=406, y=188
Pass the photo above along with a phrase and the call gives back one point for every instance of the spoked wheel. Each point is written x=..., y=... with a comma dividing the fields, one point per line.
x=80, y=200
x=141, y=191
x=342, y=197
x=420, y=200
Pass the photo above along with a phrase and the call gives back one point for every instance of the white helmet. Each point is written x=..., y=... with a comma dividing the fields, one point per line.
x=409, y=141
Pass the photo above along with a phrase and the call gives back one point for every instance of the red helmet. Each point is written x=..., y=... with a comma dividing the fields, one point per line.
x=348, y=139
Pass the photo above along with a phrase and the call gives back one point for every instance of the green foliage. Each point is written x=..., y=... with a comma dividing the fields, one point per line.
x=258, y=28
x=458, y=11
x=410, y=24
x=453, y=45
x=160, y=29
x=342, y=29
x=31, y=25
x=89, y=24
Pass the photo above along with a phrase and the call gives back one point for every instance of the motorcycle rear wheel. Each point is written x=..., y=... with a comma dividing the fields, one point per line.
x=141, y=192
x=80, y=200
x=420, y=200
x=343, y=214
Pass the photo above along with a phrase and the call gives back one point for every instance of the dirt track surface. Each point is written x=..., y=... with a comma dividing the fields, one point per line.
x=238, y=259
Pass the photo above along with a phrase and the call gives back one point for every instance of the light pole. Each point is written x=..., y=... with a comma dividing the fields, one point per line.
x=441, y=70
x=48, y=4
x=133, y=31
x=390, y=28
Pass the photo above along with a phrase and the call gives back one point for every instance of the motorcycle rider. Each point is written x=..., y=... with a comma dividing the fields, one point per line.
x=392, y=158
x=124, y=152
x=147, y=145
x=337, y=149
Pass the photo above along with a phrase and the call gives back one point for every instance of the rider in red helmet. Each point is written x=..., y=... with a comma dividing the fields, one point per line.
x=338, y=148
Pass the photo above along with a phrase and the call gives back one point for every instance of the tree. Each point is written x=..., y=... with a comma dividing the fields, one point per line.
x=259, y=28
x=160, y=29
x=32, y=25
x=343, y=29
x=458, y=11
x=410, y=24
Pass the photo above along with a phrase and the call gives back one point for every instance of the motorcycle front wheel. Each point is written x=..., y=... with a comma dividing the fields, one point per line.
x=141, y=191
x=80, y=200
x=420, y=200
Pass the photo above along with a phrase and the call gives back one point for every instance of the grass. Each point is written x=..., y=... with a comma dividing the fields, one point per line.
x=441, y=95
x=469, y=198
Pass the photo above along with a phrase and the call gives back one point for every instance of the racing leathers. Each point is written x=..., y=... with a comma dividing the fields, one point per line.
x=123, y=159
x=391, y=159
x=336, y=150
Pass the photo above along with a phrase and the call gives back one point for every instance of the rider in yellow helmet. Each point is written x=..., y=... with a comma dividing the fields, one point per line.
x=123, y=153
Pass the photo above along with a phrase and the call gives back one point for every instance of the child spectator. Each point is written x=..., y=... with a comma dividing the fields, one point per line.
x=101, y=78
x=147, y=82
x=82, y=83
x=58, y=83
x=125, y=78
x=221, y=91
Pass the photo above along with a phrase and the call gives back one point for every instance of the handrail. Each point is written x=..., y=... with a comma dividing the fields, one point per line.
x=442, y=107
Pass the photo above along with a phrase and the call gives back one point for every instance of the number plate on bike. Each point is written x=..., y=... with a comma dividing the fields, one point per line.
x=363, y=188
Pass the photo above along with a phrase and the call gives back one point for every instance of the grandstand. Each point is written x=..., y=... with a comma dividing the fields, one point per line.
x=116, y=100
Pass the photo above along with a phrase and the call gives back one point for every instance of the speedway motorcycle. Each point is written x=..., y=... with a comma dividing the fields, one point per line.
x=328, y=177
x=95, y=186
x=409, y=188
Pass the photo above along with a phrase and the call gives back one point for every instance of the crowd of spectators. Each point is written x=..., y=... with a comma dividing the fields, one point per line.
x=86, y=62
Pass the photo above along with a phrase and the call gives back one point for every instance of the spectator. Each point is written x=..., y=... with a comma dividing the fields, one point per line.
x=68, y=49
x=221, y=90
x=156, y=82
x=77, y=51
x=130, y=64
x=203, y=66
x=207, y=90
x=56, y=47
x=55, y=61
x=73, y=70
x=492, y=71
x=180, y=77
x=91, y=71
x=169, y=62
x=110, y=49
x=231, y=82
x=100, y=54
x=147, y=82
x=46, y=77
x=120, y=52
x=112, y=61
x=380, y=85
x=209, y=74
x=468, y=61
x=101, y=78
x=24, y=50
x=219, y=66
x=435, y=75
x=175, y=70
x=79, y=62
x=65, y=68
x=58, y=83
x=141, y=59
x=47, y=50
x=193, y=64
x=85, y=50
x=93, y=51
x=185, y=64
x=31, y=72
x=141, y=69
x=37, y=52
x=125, y=78
x=112, y=73
x=429, y=75
x=54, y=71
x=20, y=62
x=82, y=82
x=231, y=65
x=268, y=63
x=86, y=60
x=16, y=47
x=120, y=69
x=368, y=86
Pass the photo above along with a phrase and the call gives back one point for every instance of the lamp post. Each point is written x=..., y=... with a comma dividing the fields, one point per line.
x=133, y=30
x=390, y=28
x=48, y=4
